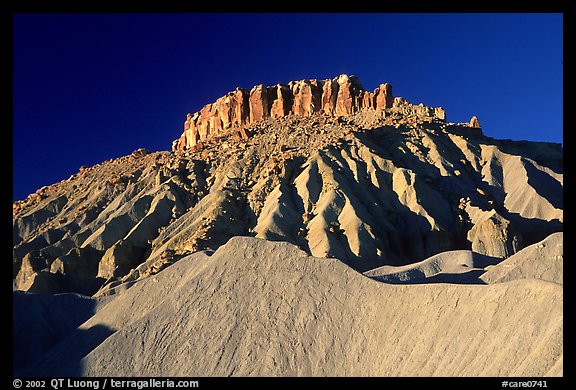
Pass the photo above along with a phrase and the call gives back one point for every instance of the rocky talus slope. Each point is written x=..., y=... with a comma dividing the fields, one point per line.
x=354, y=188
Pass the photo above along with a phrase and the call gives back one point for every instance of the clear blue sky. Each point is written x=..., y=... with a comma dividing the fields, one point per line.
x=90, y=87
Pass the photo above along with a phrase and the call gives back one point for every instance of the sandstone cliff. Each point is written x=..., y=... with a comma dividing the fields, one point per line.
x=342, y=96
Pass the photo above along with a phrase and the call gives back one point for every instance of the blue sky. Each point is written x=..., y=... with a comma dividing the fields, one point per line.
x=90, y=87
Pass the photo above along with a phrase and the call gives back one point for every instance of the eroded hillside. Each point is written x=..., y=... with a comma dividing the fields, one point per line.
x=385, y=186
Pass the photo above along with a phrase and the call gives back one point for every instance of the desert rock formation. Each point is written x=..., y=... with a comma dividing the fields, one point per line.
x=308, y=228
x=368, y=189
x=342, y=96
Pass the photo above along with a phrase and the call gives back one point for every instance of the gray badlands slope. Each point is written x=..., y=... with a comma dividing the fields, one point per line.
x=257, y=307
x=352, y=182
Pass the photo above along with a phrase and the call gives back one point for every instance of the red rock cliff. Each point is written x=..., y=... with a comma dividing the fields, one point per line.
x=341, y=96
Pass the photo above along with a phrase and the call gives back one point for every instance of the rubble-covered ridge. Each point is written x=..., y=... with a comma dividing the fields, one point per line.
x=341, y=96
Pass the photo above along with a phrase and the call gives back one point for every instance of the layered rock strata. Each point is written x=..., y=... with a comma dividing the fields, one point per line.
x=341, y=96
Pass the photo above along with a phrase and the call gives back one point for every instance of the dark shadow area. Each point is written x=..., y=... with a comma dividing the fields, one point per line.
x=470, y=277
x=545, y=185
x=533, y=230
x=43, y=323
x=546, y=154
x=65, y=359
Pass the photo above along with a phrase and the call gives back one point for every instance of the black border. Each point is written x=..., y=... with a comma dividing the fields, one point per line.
x=408, y=383
x=12, y=7
x=179, y=6
x=568, y=67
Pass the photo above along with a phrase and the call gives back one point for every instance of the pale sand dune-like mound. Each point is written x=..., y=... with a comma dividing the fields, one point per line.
x=256, y=307
x=543, y=260
x=461, y=266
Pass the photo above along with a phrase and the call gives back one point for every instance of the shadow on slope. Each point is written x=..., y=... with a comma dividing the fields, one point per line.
x=533, y=230
x=470, y=277
x=453, y=267
x=42, y=322
x=545, y=185
x=547, y=154
x=65, y=359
